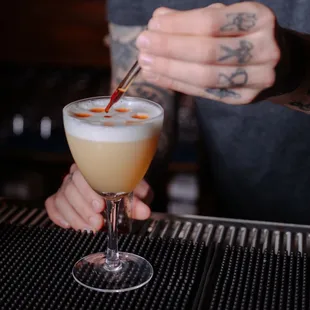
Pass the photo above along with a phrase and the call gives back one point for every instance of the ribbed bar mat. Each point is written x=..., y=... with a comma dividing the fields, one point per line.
x=250, y=278
x=36, y=264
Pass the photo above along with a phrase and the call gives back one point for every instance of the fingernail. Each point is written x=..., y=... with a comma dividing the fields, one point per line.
x=94, y=221
x=143, y=41
x=64, y=223
x=87, y=229
x=146, y=60
x=150, y=76
x=96, y=206
x=153, y=24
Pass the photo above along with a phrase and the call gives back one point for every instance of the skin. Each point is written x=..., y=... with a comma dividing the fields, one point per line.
x=76, y=205
x=227, y=53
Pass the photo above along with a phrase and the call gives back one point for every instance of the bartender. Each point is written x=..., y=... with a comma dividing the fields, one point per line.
x=247, y=65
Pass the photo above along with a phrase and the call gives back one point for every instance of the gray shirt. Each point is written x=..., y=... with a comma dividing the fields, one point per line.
x=257, y=156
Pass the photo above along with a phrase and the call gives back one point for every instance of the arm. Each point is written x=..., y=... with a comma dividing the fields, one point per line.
x=123, y=55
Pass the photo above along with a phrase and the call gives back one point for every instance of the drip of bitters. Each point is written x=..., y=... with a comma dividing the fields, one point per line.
x=123, y=86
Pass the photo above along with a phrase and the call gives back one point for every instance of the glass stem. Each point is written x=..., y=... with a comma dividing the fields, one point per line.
x=112, y=258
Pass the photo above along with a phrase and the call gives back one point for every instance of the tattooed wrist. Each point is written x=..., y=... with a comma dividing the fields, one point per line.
x=239, y=22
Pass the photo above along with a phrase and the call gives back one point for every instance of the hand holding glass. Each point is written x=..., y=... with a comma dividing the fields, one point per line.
x=113, y=152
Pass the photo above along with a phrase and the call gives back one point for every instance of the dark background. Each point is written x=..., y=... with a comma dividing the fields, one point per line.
x=53, y=52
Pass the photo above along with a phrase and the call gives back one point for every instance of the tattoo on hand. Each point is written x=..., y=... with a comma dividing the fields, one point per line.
x=236, y=79
x=300, y=105
x=223, y=93
x=240, y=22
x=242, y=53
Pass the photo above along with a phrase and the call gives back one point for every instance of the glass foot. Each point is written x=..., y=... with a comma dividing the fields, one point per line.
x=91, y=272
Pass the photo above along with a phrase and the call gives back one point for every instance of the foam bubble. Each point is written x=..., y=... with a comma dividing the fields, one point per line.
x=119, y=127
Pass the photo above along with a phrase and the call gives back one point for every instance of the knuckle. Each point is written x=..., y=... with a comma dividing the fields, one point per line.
x=205, y=78
x=275, y=55
x=207, y=21
x=205, y=51
x=58, y=200
x=269, y=80
x=73, y=167
x=250, y=97
x=269, y=17
x=68, y=189
x=245, y=100
x=157, y=11
x=76, y=178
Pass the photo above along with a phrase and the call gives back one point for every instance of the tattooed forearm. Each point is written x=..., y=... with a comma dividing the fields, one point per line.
x=242, y=53
x=123, y=56
x=240, y=22
x=123, y=50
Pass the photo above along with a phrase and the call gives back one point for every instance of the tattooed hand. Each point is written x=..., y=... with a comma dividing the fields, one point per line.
x=226, y=53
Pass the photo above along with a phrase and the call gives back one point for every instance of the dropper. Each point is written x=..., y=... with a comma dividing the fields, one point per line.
x=124, y=85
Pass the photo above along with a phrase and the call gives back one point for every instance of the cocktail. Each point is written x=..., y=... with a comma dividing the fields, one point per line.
x=113, y=152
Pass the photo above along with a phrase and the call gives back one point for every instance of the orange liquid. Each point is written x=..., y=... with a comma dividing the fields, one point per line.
x=140, y=116
x=97, y=110
x=82, y=115
x=122, y=110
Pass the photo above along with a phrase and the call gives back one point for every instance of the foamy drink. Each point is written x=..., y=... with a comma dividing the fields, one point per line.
x=113, y=150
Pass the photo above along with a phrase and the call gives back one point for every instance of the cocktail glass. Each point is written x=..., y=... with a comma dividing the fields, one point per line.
x=113, y=152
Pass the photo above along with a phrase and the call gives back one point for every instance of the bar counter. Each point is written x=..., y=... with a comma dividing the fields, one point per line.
x=199, y=263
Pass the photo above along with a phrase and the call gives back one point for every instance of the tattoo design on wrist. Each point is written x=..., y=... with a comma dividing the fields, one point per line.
x=223, y=93
x=240, y=22
x=242, y=53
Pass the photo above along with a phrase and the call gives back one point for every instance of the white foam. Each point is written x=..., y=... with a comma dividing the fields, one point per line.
x=93, y=128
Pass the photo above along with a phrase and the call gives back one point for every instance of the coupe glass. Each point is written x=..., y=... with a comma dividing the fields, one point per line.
x=113, y=152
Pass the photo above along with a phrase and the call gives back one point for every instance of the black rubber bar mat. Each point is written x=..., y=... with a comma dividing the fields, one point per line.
x=36, y=263
x=249, y=278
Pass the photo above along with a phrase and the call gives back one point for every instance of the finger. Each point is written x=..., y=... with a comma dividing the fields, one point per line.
x=252, y=49
x=140, y=210
x=73, y=168
x=205, y=76
x=82, y=207
x=87, y=192
x=69, y=214
x=144, y=192
x=230, y=96
x=163, y=11
x=216, y=6
x=53, y=213
x=236, y=19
